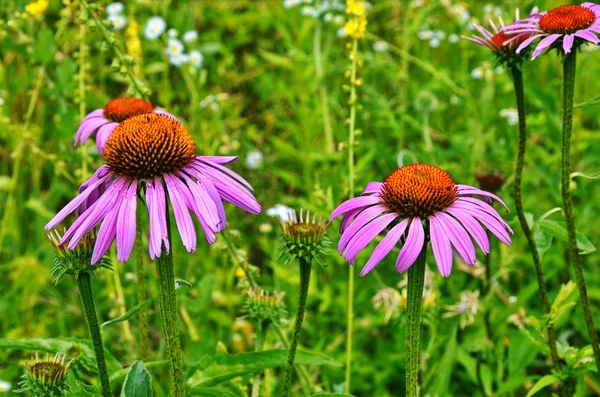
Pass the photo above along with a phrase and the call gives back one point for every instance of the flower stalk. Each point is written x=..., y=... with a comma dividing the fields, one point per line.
x=168, y=312
x=517, y=75
x=569, y=68
x=416, y=281
x=305, y=268
x=141, y=292
x=84, y=285
x=261, y=331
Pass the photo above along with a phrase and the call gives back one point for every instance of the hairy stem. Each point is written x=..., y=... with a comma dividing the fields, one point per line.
x=261, y=331
x=84, y=284
x=569, y=66
x=416, y=280
x=351, y=133
x=141, y=291
x=305, y=268
x=520, y=94
x=168, y=312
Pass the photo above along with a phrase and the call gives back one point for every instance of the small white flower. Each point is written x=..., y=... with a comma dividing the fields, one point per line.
x=172, y=33
x=214, y=107
x=174, y=46
x=196, y=58
x=338, y=20
x=380, y=46
x=190, y=36
x=439, y=34
x=425, y=34
x=129, y=276
x=282, y=211
x=254, y=159
x=178, y=59
x=203, y=103
x=453, y=38
x=512, y=299
x=511, y=115
x=310, y=11
x=417, y=3
x=1, y=101
x=4, y=386
x=455, y=100
x=290, y=3
x=341, y=32
x=114, y=8
x=118, y=21
x=434, y=42
x=154, y=28
x=477, y=73
x=328, y=17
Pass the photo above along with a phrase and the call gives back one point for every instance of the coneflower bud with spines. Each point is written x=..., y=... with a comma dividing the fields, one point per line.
x=75, y=261
x=46, y=377
x=304, y=238
x=265, y=306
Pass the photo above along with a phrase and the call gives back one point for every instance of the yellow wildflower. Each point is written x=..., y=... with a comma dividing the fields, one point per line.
x=134, y=46
x=356, y=28
x=356, y=7
x=37, y=8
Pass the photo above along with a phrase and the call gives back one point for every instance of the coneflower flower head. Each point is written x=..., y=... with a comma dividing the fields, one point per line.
x=499, y=41
x=565, y=27
x=153, y=155
x=263, y=306
x=411, y=196
x=75, y=261
x=46, y=377
x=304, y=238
x=490, y=182
x=104, y=121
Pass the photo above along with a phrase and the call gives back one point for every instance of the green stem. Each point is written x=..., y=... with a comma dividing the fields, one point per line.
x=305, y=268
x=517, y=75
x=168, y=311
x=84, y=284
x=569, y=66
x=329, y=144
x=261, y=331
x=350, y=319
x=141, y=291
x=416, y=280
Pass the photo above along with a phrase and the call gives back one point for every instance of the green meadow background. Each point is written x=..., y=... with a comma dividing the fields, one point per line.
x=420, y=100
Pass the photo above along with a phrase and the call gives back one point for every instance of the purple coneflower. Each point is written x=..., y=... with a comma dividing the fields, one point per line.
x=105, y=120
x=411, y=195
x=154, y=155
x=564, y=23
x=497, y=40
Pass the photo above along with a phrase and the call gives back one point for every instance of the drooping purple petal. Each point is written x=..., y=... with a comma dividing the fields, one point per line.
x=365, y=235
x=93, y=215
x=412, y=246
x=210, y=188
x=160, y=199
x=485, y=207
x=76, y=202
x=354, y=203
x=568, y=42
x=473, y=227
x=458, y=237
x=182, y=215
x=218, y=159
x=361, y=220
x=226, y=171
x=587, y=35
x=470, y=190
x=440, y=245
x=347, y=218
x=154, y=237
x=106, y=235
x=103, y=134
x=373, y=187
x=87, y=128
x=545, y=43
x=94, y=113
x=205, y=205
x=527, y=41
x=126, y=224
x=489, y=222
x=385, y=246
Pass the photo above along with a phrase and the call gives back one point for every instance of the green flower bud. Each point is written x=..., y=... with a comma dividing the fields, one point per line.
x=47, y=377
x=262, y=306
x=304, y=238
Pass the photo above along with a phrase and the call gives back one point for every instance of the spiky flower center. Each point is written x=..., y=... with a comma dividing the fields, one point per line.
x=567, y=19
x=149, y=145
x=419, y=191
x=47, y=370
x=120, y=109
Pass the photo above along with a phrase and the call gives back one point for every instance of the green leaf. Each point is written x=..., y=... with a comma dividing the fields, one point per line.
x=559, y=230
x=211, y=392
x=130, y=313
x=138, y=382
x=544, y=381
x=93, y=390
x=586, y=176
x=563, y=302
x=213, y=370
x=331, y=395
x=45, y=47
x=63, y=345
x=118, y=376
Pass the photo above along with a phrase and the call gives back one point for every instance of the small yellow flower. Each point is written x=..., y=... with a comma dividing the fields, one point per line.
x=356, y=7
x=134, y=46
x=356, y=28
x=37, y=8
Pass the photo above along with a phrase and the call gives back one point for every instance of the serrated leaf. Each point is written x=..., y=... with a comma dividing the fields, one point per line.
x=54, y=345
x=130, y=313
x=563, y=301
x=559, y=230
x=213, y=370
x=138, y=382
x=542, y=383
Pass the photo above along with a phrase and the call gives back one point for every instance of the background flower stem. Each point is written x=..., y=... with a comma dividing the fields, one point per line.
x=305, y=269
x=84, y=284
x=261, y=331
x=329, y=143
x=517, y=75
x=141, y=291
x=569, y=67
x=416, y=281
x=168, y=312
x=351, y=133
